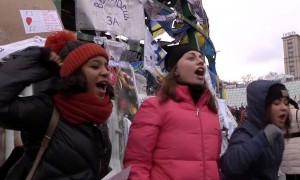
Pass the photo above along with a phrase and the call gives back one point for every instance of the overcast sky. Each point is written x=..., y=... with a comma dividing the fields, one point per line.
x=248, y=35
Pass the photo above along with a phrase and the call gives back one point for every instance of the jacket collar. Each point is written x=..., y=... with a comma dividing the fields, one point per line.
x=183, y=92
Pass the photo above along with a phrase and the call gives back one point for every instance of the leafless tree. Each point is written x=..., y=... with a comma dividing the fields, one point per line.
x=247, y=79
x=271, y=75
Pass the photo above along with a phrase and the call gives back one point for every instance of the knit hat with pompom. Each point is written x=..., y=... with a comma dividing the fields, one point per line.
x=74, y=53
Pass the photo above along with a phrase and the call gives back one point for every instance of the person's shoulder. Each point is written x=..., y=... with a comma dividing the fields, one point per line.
x=150, y=100
x=245, y=127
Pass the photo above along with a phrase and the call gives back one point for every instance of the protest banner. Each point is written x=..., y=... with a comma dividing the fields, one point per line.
x=119, y=17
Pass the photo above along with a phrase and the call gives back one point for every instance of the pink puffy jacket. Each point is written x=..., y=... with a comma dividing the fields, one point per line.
x=174, y=140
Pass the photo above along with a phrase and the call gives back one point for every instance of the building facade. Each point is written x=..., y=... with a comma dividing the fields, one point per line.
x=291, y=49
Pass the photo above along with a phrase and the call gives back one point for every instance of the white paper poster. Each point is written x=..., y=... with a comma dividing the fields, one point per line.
x=20, y=45
x=115, y=175
x=119, y=17
x=38, y=21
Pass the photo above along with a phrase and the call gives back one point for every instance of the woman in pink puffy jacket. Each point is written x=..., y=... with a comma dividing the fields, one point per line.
x=176, y=135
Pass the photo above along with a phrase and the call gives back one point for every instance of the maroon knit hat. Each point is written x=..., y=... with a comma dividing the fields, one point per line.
x=74, y=53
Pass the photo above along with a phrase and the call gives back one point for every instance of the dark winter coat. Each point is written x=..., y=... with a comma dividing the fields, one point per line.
x=75, y=152
x=249, y=155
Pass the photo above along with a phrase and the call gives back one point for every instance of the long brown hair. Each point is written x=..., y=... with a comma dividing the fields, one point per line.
x=168, y=91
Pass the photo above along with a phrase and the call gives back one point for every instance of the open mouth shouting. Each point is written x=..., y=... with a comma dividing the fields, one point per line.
x=101, y=88
x=282, y=118
x=200, y=73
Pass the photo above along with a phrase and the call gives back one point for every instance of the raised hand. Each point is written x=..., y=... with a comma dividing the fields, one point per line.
x=54, y=57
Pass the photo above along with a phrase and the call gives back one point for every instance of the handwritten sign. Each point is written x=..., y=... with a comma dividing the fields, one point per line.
x=37, y=21
x=119, y=17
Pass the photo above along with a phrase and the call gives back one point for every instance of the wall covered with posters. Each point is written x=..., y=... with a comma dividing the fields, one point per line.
x=137, y=54
x=130, y=32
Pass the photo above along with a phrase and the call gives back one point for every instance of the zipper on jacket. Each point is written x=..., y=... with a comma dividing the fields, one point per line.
x=202, y=143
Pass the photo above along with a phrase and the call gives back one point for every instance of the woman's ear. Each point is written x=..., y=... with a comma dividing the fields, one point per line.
x=176, y=71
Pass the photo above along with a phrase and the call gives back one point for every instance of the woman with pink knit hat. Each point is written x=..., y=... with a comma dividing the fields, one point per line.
x=80, y=147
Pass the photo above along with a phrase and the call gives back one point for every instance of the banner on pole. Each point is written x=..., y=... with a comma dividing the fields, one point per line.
x=154, y=58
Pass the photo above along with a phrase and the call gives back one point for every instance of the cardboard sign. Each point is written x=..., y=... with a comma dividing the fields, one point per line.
x=21, y=20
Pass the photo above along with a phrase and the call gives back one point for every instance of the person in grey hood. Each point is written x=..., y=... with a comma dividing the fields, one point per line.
x=256, y=148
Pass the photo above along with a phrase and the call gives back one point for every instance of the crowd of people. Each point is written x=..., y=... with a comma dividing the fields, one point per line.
x=239, y=113
x=174, y=135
